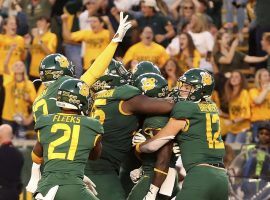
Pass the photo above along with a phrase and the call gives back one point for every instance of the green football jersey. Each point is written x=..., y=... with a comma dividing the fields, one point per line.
x=118, y=127
x=46, y=102
x=67, y=141
x=200, y=141
x=151, y=123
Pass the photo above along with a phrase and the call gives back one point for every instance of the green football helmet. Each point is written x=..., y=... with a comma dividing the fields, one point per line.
x=54, y=66
x=115, y=75
x=145, y=67
x=76, y=95
x=152, y=85
x=202, y=83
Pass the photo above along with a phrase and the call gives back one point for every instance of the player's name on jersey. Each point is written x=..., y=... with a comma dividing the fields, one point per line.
x=105, y=94
x=67, y=118
x=208, y=107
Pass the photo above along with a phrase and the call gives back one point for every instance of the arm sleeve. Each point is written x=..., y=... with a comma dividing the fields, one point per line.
x=36, y=159
x=52, y=44
x=163, y=57
x=100, y=65
x=128, y=55
x=78, y=36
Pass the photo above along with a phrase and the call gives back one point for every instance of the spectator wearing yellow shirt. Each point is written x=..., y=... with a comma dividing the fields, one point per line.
x=44, y=43
x=260, y=101
x=20, y=93
x=237, y=97
x=95, y=39
x=171, y=71
x=8, y=39
x=188, y=57
x=146, y=49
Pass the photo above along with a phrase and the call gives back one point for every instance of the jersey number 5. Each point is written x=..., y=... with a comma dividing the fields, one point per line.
x=74, y=135
x=213, y=138
x=97, y=113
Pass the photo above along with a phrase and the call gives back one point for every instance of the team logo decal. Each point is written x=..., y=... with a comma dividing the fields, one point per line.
x=84, y=89
x=148, y=84
x=206, y=78
x=63, y=62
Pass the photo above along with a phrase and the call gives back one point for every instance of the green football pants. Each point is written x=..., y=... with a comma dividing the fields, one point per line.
x=204, y=183
x=141, y=188
x=108, y=186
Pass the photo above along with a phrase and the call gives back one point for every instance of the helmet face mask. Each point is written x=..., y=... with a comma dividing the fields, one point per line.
x=74, y=94
x=195, y=85
x=55, y=66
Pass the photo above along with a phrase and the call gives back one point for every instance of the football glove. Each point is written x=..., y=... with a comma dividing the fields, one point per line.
x=176, y=149
x=138, y=138
x=122, y=28
x=35, y=177
x=152, y=193
x=49, y=196
x=136, y=174
x=90, y=185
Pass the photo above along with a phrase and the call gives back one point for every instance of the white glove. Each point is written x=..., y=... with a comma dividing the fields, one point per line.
x=90, y=185
x=49, y=196
x=136, y=174
x=152, y=193
x=122, y=28
x=138, y=138
x=176, y=149
x=35, y=177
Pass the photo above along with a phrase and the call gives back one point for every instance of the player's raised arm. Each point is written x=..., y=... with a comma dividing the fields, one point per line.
x=103, y=60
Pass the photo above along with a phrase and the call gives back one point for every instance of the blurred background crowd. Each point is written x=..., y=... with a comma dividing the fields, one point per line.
x=229, y=38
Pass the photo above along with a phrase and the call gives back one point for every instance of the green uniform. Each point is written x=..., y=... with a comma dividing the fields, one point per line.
x=116, y=141
x=67, y=141
x=201, y=142
x=46, y=102
x=149, y=160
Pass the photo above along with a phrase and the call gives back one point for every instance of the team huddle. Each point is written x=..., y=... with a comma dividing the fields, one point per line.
x=93, y=131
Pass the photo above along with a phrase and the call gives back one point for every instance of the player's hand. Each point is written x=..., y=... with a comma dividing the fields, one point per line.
x=90, y=185
x=138, y=138
x=122, y=28
x=64, y=17
x=176, y=149
x=136, y=174
x=35, y=177
x=152, y=193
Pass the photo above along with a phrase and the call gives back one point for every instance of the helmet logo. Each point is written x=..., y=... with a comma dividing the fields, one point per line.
x=62, y=60
x=206, y=78
x=84, y=89
x=148, y=84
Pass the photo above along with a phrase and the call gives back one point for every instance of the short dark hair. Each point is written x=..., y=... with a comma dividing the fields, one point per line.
x=47, y=19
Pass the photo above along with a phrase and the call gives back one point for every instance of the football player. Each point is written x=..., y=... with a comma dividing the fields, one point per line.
x=195, y=124
x=118, y=106
x=155, y=166
x=66, y=140
x=56, y=68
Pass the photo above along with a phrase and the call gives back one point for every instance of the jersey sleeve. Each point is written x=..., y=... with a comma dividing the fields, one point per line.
x=94, y=125
x=182, y=110
x=126, y=92
x=42, y=121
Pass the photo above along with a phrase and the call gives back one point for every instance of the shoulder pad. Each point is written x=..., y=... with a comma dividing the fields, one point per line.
x=93, y=124
x=183, y=109
x=43, y=120
x=125, y=92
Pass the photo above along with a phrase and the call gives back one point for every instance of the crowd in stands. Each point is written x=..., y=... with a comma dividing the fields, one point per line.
x=229, y=38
